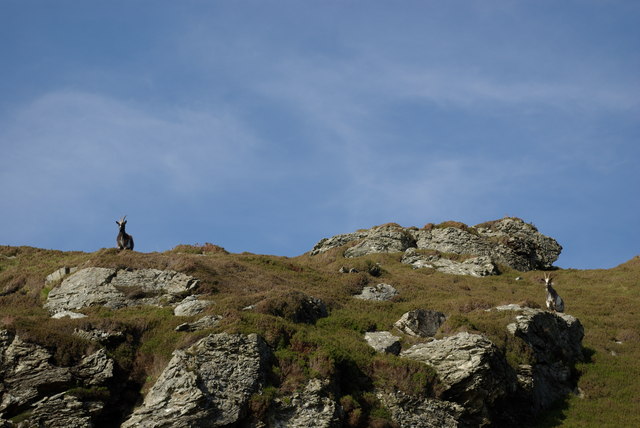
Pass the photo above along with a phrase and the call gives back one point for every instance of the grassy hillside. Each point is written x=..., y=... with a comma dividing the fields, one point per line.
x=606, y=302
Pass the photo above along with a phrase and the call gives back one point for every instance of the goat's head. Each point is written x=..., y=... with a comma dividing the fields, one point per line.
x=548, y=280
x=122, y=222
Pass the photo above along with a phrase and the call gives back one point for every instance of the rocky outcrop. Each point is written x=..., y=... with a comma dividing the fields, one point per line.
x=314, y=406
x=380, y=292
x=415, y=412
x=473, y=371
x=509, y=241
x=390, y=238
x=117, y=288
x=191, y=306
x=556, y=342
x=62, y=411
x=31, y=381
x=208, y=384
x=207, y=321
x=383, y=342
x=420, y=322
x=474, y=266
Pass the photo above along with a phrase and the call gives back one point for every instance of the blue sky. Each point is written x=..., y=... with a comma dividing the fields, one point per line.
x=264, y=126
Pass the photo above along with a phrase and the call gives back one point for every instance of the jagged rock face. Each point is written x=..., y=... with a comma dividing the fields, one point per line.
x=383, y=342
x=473, y=371
x=384, y=239
x=556, y=342
x=62, y=411
x=378, y=292
x=420, y=322
x=115, y=288
x=337, y=241
x=509, y=241
x=312, y=407
x=31, y=382
x=415, y=412
x=208, y=384
x=475, y=266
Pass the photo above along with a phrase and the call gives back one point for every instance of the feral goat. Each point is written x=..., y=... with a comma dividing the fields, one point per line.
x=554, y=301
x=125, y=241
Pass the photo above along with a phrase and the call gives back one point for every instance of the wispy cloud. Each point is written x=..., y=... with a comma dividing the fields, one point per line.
x=109, y=143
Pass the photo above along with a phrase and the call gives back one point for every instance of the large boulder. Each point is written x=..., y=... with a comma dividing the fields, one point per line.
x=556, y=343
x=420, y=322
x=208, y=384
x=509, y=241
x=380, y=292
x=473, y=371
x=389, y=238
x=117, y=288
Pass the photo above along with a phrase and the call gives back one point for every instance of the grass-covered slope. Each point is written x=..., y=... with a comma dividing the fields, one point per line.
x=606, y=302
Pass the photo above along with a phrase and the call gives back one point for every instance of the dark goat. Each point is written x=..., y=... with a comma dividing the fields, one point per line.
x=125, y=241
x=554, y=301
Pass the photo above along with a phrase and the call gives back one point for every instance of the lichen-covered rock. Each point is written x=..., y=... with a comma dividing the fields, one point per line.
x=59, y=274
x=416, y=412
x=95, y=369
x=474, y=266
x=509, y=241
x=327, y=244
x=383, y=342
x=115, y=289
x=312, y=407
x=87, y=287
x=389, y=238
x=208, y=384
x=207, y=321
x=556, y=342
x=378, y=292
x=473, y=371
x=100, y=336
x=519, y=244
x=65, y=314
x=420, y=322
x=191, y=306
x=25, y=370
x=62, y=411
x=30, y=378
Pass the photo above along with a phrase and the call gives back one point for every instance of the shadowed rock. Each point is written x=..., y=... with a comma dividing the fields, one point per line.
x=420, y=322
x=473, y=372
x=208, y=384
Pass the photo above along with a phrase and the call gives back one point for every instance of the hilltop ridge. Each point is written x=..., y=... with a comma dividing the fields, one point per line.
x=329, y=338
